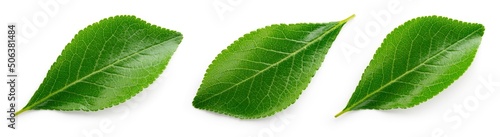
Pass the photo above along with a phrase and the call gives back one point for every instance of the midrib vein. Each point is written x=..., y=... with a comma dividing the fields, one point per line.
x=408, y=72
x=93, y=73
x=340, y=23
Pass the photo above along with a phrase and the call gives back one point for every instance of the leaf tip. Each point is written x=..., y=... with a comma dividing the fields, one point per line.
x=350, y=17
x=347, y=19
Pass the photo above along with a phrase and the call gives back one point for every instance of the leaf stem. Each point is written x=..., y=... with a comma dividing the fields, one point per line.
x=345, y=110
x=341, y=112
x=19, y=112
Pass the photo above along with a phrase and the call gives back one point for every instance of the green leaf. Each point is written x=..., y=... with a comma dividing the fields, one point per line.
x=105, y=64
x=266, y=70
x=416, y=61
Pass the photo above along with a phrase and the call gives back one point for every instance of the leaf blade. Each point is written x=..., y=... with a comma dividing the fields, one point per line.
x=121, y=56
x=257, y=61
x=440, y=51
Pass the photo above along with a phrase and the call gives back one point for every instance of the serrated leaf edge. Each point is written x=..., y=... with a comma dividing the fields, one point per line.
x=26, y=108
x=228, y=49
x=481, y=29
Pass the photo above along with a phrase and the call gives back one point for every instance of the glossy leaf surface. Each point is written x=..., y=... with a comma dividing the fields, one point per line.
x=266, y=70
x=416, y=61
x=105, y=64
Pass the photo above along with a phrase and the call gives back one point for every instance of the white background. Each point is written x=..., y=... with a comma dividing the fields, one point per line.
x=164, y=109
